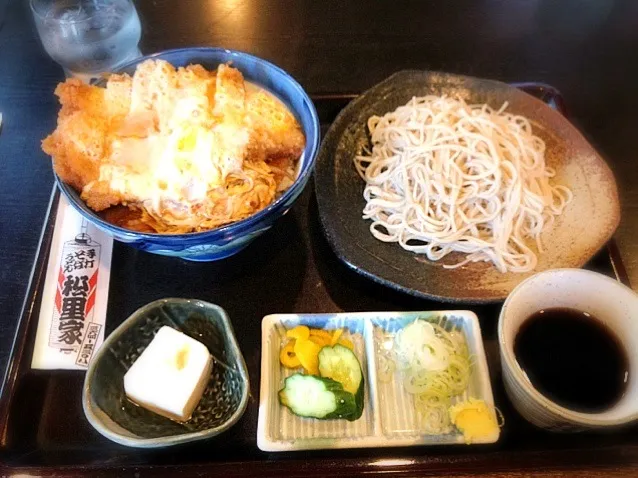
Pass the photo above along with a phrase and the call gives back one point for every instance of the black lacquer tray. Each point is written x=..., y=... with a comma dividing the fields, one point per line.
x=291, y=268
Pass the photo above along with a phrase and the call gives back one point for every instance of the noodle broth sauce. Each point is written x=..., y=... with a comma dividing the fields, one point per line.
x=573, y=359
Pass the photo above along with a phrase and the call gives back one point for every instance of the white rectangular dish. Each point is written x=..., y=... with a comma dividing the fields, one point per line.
x=389, y=417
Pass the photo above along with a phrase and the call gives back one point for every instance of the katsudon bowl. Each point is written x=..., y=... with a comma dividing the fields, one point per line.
x=227, y=240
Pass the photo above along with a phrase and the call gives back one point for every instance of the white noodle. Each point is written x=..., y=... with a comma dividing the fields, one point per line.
x=445, y=176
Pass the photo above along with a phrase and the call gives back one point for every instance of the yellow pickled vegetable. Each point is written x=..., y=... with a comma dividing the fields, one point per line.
x=288, y=357
x=304, y=349
x=335, y=336
x=319, y=340
x=346, y=343
x=324, y=334
x=299, y=332
x=308, y=354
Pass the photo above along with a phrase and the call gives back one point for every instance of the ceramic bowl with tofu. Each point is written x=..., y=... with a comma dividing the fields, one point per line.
x=171, y=373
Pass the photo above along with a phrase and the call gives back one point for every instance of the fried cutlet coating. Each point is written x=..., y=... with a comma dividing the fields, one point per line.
x=276, y=131
x=78, y=144
x=81, y=141
x=249, y=124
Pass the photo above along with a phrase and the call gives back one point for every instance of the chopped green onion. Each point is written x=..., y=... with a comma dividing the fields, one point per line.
x=435, y=367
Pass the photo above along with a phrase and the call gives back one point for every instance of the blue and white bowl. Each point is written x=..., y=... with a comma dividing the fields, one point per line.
x=227, y=240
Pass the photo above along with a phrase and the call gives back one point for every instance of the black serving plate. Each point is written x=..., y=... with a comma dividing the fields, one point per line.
x=291, y=268
x=579, y=232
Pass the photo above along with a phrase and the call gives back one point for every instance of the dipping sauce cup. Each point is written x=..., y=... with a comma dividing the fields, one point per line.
x=604, y=298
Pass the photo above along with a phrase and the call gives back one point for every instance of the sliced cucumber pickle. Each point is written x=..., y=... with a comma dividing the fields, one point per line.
x=339, y=363
x=317, y=397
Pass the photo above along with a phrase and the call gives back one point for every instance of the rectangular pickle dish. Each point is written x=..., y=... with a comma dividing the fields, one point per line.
x=390, y=418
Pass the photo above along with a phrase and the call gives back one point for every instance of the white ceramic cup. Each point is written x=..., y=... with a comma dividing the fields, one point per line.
x=604, y=298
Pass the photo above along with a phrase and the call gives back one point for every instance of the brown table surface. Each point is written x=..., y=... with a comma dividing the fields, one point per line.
x=587, y=49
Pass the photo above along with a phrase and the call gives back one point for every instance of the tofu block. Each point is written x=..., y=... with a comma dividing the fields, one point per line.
x=170, y=375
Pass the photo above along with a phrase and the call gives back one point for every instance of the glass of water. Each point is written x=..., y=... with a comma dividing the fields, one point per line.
x=88, y=37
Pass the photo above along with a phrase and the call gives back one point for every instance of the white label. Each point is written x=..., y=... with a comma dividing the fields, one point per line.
x=76, y=289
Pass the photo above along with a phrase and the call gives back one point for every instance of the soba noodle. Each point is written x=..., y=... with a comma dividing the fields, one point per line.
x=444, y=176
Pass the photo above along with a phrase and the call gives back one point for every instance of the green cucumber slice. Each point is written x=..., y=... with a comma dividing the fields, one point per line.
x=316, y=397
x=341, y=364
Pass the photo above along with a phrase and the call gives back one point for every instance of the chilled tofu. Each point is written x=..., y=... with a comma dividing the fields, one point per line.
x=170, y=376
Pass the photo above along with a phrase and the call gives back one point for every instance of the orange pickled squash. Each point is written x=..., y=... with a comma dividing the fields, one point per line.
x=320, y=337
x=299, y=332
x=308, y=354
x=288, y=357
x=324, y=334
x=346, y=343
x=320, y=341
x=335, y=336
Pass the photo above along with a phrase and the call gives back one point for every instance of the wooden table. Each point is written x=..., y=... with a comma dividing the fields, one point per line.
x=588, y=50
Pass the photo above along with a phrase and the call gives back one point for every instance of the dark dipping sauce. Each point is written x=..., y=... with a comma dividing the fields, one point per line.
x=573, y=359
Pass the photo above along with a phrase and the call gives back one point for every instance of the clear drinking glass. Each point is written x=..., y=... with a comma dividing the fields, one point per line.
x=88, y=36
